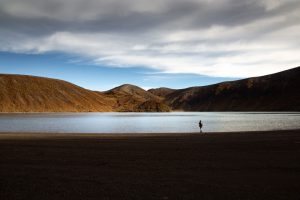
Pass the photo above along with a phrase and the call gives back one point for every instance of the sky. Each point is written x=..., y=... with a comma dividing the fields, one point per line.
x=100, y=44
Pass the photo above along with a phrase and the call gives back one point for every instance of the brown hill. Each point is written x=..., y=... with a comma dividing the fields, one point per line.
x=275, y=92
x=132, y=90
x=130, y=98
x=19, y=93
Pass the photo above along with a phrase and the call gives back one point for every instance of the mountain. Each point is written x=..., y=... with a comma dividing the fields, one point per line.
x=130, y=98
x=19, y=93
x=275, y=92
x=134, y=91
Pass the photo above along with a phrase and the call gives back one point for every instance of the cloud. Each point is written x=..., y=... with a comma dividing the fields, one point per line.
x=231, y=38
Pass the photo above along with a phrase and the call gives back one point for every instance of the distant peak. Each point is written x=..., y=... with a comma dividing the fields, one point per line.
x=126, y=88
x=128, y=85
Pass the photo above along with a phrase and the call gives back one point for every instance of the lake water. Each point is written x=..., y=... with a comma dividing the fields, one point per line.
x=148, y=122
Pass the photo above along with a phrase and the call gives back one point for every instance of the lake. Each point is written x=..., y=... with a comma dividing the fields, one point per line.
x=148, y=122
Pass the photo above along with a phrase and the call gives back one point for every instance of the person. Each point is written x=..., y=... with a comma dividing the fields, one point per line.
x=200, y=126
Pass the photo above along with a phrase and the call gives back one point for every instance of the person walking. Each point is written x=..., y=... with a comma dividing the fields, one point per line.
x=200, y=126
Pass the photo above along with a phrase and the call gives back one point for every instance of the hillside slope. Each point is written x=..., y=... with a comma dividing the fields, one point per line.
x=275, y=92
x=19, y=93
x=132, y=98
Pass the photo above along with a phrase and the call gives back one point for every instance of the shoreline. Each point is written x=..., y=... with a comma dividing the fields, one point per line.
x=240, y=165
x=100, y=135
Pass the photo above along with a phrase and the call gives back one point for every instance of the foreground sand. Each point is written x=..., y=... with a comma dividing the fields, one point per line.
x=258, y=165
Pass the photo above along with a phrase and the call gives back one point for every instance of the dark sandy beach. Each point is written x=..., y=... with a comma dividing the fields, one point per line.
x=257, y=165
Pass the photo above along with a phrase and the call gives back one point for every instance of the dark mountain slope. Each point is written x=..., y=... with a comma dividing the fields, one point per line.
x=275, y=92
x=161, y=92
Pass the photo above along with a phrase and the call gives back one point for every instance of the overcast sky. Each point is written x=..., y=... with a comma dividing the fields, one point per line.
x=216, y=38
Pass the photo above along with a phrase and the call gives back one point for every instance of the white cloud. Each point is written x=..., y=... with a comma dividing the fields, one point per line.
x=259, y=46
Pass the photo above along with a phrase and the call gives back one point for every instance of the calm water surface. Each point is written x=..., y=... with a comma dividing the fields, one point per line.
x=148, y=122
